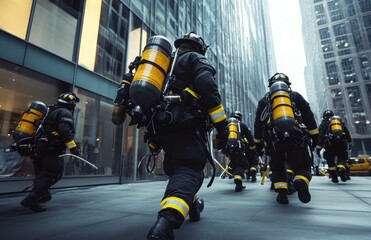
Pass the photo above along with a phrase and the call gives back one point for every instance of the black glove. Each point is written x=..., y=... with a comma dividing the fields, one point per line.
x=75, y=151
x=314, y=138
x=221, y=138
x=118, y=115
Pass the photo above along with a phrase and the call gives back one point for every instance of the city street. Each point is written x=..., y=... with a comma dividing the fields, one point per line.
x=337, y=211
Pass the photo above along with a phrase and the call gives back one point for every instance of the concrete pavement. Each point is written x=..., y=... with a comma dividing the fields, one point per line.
x=337, y=211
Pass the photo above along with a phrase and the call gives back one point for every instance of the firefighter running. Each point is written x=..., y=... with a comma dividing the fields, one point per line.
x=287, y=120
x=57, y=134
x=335, y=138
x=179, y=124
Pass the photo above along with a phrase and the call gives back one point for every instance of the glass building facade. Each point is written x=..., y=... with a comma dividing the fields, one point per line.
x=337, y=39
x=51, y=46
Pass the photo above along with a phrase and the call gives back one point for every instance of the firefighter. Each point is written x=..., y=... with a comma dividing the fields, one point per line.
x=184, y=140
x=288, y=132
x=249, y=150
x=335, y=138
x=59, y=134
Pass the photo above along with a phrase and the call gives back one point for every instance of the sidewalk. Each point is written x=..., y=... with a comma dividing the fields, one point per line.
x=337, y=211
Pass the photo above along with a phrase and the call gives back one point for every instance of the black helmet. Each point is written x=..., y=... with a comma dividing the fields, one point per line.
x=68, y=99
x=237, y=115
x=327, y=114
x=279, y=77
x=195, y=40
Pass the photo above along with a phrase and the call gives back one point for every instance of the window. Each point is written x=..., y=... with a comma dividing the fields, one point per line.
x=335, y=11
x=337, y=98
x=112, y=41
x=339, y=29
x=348, y=70
x=354, y=96
x=324, y=33
x=17, y=91
x=54, y=26
x=332, y=73
x=365, y=67
x=320, y=15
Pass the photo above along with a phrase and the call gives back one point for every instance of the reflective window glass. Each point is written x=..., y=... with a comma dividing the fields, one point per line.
x=335, y=10
x=347, y=66
x=337, y=98
x=54, y=26
x=17, y=91
x=332, y=73
x=320, y=15
x=112, y=41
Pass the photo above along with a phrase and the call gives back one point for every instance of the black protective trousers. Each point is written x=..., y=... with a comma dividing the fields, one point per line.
x=48, y=170
x=336, y=149
x=185, y=158
x=295, y=154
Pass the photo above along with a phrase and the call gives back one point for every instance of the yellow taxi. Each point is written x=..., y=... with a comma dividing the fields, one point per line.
x=360, y=165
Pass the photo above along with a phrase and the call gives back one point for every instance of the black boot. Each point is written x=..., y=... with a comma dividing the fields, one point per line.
x=253, y=176
x=303, y=190
x=46, y=197
x=342, y=175
x=239, y=186
x=282, y=197
x=31, y=202
x=161, y=230
x=195, y=210
x=334, y=178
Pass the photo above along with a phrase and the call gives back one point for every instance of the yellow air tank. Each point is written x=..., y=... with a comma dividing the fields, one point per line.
x=233, y=131
x=147, y=85
x=336, y=128
x=282, y=111
x=30, y=120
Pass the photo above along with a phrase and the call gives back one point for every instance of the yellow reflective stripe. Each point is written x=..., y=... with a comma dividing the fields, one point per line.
x=55, y=133
x=252, y=147
x=70, y=144
x=313, y=131
x=257, y=140
x=176, y=203
x=238, y=177
x=280, y=185
x=217, y=114
x=125, y=81
x=193, y=93
x=289, y=171
x=332, y=168
x=341, y=166
x=253, y=168
x=306, y=180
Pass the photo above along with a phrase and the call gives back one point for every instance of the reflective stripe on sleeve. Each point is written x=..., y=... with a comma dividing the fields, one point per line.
x=217, y=114
x=313, y=131
x=70, y=144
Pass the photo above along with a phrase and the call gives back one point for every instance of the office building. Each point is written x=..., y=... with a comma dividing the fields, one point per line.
x=337, y=39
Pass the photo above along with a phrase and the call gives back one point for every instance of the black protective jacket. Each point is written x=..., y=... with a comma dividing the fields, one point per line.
x=194, y=80
x=262, y=118
x=59, y=127
x=323, y=138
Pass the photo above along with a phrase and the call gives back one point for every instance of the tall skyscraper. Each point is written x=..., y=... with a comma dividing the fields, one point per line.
x=337, y=40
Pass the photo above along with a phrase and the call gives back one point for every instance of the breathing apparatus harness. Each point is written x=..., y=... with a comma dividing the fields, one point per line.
x=161, y=114
x=299, y=134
